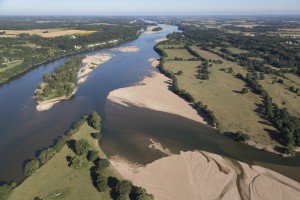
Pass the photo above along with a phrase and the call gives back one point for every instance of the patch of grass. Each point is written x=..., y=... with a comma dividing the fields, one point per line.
x=11, y=65
x=236, y=50
x=56, y=180
x=221, y=93
x=179, y=53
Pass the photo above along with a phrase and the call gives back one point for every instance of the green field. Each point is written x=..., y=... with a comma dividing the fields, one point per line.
x=221, y=93
x=236, y=50
x=11, y=65
x=56, y=180
x=179, y=53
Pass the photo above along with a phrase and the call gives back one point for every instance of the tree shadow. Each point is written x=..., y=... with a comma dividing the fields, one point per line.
x=71, y=145
x=112, y=183
x=274, y=134
x=237, y=91
x=93, y=175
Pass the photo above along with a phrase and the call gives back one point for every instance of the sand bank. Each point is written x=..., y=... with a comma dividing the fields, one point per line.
x=153, y=93
x=46, y=105
x=149, y=30
x=201, y=175
x=91, y=62
x=127, y=49
x=161, y=40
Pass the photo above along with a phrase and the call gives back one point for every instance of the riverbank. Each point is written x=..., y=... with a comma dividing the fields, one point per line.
x=202, y=175
x=153, y=93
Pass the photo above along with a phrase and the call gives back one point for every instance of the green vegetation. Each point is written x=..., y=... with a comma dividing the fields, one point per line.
x=6, y=189
x=25, y=50
x=61, y=83
x=31, y=167
x=67, y=175
x=241, y=137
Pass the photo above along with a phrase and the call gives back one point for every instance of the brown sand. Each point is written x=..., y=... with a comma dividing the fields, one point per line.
x=127, y=49
x=161, y=40
x=202, y=175
x=153, y=93
x=91, y=62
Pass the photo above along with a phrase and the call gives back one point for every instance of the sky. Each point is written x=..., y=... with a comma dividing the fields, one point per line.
x=149, y=7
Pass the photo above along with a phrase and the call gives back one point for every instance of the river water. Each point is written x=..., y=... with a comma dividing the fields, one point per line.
x=126, y=130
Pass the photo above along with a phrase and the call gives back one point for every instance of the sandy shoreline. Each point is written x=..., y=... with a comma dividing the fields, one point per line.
x=91, y=62
x=202, y=175
x=127, y=49
x=153, y=93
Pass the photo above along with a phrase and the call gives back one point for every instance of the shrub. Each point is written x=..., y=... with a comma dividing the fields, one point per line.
x=77, y=162
x=241, y=137
x=97, y=135
x=81, y=147
x=101, y=183
x=46, y=155
x=95, y=120
x=31, y=167
x=244, y=91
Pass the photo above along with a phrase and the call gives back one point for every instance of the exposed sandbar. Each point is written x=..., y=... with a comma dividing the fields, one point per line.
x=127, y=49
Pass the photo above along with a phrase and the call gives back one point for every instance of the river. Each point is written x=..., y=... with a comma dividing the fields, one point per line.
x=126, y=130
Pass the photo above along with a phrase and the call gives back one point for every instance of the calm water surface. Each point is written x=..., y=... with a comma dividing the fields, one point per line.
x=126, y=130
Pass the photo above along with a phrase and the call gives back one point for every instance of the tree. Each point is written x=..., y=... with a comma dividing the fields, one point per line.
x=31, y=167
x=92, y=156
x=102, y=165
x=81, y=147
x=241, y=137
x=77, y=162
x=179, y=72
x=60, y=143
x=123, y=188
x=95, y=120
x=46, y=155
x=101, y=183
x=97, y=135
x=5, y=190
x=244, y=91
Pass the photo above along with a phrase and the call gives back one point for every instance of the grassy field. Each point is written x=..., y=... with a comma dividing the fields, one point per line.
x=236, y=50
x=47, y=33
x=55, y=177
x=280, y=93
x=179, y=53
x=11, y=65
x=234, y=111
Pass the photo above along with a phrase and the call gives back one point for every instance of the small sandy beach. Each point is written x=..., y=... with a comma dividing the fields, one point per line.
x=127, y=49
x=202, y=175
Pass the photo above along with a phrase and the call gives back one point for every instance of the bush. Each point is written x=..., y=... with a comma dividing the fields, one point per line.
x=241, y=137
x=81, y=147
x=92, y=156
x=5, y=190
x=77, y=162
x=97, y=135
x=60, y=143
x=95, y=120
x=244, y=91
x=46, y=155
x=31, y=167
